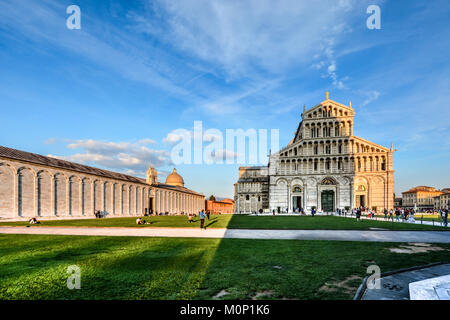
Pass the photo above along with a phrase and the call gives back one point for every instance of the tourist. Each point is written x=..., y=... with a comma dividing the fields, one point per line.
x=391, y=214
x=385, y=214
x=313, y=211
x=34, y=221
x=208, y=213
x=273, y=212
x=358, y=214
x=202, y=219
x=411, y=218
x=190, y=217
x=445, y=216
x=397, y=214
x=139, y=221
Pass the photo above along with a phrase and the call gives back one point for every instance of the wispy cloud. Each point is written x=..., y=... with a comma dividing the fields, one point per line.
x=128, y=157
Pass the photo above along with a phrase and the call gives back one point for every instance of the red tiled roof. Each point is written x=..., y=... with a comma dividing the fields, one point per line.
x=176, y=188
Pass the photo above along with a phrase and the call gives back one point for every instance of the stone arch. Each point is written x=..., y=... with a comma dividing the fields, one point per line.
x=115, y=198
x=97, y=186
x=130, y=199
x=123, y=199
x=74, y=193
x=26, y=179
x=44, y=193
x=86, y=196
x=138, y=204
x=107, y=197
x=59, y=193
x=6, y=190
x=328, y=181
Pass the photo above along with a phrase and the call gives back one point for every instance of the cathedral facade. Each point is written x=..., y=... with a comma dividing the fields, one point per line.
x=324, y=167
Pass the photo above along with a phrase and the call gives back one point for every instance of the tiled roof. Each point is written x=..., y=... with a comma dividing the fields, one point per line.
x=176, y=188
x=15, y=154
x=63, y=164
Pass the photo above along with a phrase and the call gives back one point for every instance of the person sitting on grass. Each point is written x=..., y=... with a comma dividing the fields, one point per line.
x=140, y=221
x=34, y=221
x=190, y=217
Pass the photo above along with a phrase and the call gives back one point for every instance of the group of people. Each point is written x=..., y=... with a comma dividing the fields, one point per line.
x=142, y=221
x=98, y=214
x=202, y=215
x=33, y=221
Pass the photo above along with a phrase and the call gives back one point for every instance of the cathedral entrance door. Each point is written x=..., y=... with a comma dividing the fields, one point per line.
x=327, y=201
x=360, y=201
x=296, y=203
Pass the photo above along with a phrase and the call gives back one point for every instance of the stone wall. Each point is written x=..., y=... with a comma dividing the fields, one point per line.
x=30, y=190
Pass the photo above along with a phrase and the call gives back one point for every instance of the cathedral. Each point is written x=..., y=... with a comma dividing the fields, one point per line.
x=324, y=167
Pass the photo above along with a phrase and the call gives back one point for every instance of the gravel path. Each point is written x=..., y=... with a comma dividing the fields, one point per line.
x=343, y=235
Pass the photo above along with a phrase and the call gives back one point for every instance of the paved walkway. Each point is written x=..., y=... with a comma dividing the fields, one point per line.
x=343, y=235
x=396, y=286
x=436, y=223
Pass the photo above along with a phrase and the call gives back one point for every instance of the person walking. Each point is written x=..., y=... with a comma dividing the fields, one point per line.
x=358, y=214
x=385, y=214
x=445, y=217
x=208, y=213
x=202, y=219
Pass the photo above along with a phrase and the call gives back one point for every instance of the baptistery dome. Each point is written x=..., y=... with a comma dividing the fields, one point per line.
x=174, y=179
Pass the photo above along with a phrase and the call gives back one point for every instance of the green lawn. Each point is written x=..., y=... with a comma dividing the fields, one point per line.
x=35, y=266
x=240, y=222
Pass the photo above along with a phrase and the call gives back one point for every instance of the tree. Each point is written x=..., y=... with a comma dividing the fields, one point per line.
x=212, y=198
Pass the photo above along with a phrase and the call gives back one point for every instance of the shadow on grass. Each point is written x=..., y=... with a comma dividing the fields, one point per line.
x=118, y=268
x=211, y=223
x=296, y=269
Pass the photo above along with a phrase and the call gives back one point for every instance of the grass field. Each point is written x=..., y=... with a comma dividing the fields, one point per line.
x=35, y=267
x=240, y=222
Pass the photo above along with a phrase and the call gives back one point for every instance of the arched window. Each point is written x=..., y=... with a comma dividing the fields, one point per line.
x=247, y=197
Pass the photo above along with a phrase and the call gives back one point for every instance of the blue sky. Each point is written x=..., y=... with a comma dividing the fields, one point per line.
x=110, y=94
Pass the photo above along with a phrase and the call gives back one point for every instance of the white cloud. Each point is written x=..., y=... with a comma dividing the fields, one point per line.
x=127, y=157
x=371, y=96
x=242, y=36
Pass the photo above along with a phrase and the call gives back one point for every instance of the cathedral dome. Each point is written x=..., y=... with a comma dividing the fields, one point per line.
x=174, y=179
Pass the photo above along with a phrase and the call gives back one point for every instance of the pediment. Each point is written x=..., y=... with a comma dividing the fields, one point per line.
x=339, y=107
